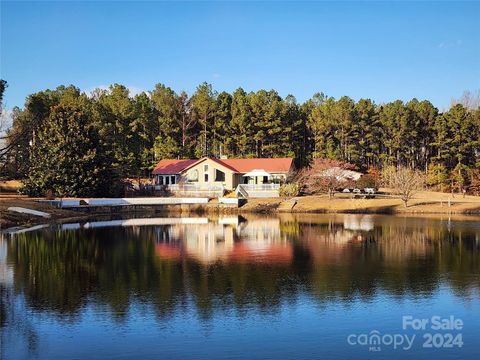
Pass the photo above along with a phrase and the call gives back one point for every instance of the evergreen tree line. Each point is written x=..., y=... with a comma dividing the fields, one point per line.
x=109, y=131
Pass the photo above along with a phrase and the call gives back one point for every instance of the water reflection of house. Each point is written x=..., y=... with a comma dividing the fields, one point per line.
x=358, y=222
x=271, y=253
x=261, y=230
x=168, y=251
x=252, y=241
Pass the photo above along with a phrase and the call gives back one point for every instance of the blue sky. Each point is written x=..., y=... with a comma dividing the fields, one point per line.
x=378, y=50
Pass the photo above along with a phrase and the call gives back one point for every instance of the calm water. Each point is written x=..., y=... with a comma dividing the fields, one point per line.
x=289, y=287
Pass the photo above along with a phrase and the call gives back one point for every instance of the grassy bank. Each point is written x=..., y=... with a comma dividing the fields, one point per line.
x=426, y=202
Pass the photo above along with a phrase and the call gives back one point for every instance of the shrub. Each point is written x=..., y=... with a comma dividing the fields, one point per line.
x=289, y=190
x=230, y=194
x=367, y=181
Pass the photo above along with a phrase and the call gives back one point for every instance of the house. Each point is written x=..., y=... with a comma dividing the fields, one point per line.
x=258, y=177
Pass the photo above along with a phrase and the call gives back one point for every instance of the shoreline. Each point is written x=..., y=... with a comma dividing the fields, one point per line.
x=426, y=204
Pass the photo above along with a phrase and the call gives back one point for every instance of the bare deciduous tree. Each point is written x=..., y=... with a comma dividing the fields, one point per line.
x=3, y=114
x=469, y=99
x=5, y=122
x=404, y=182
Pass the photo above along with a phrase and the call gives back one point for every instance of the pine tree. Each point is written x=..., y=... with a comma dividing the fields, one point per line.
x=240, y=142
x=222, y=123
x=144, y=126
x=367, y=134
x=116, y=110
x=204, y=108
x=168, y=134
x=68, y=158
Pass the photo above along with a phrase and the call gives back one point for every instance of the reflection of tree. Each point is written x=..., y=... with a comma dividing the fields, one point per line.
x=114, y=267
x=14, y=323
x=410, y=256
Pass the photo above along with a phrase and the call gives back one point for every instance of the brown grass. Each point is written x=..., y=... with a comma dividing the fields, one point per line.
x=10, y=186
x=425, y=202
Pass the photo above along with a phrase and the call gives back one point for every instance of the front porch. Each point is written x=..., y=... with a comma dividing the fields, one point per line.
x=259, y=183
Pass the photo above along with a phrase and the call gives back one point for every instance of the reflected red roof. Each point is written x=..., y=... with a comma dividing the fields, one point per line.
x=166, y=251
x=273, y=165
x=272, y=254
x=242, y=252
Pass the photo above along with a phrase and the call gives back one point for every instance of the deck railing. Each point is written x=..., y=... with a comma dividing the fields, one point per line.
x=260, y=187
x=190, y=187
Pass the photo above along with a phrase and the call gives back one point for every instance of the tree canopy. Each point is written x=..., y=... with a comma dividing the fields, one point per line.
x=68, y=157
x=137, y=131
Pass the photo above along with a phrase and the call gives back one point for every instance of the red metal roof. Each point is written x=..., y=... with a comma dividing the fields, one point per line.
x=171, y=167
x=273, y=165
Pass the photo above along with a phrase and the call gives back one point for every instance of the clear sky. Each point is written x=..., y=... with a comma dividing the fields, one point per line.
x=378, y=50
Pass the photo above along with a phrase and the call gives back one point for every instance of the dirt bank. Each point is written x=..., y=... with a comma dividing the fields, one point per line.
x=10, y=219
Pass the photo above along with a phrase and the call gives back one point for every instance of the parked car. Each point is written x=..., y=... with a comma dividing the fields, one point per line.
x=369, y=190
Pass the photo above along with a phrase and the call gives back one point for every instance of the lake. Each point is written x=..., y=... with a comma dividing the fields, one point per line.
x=257, y=287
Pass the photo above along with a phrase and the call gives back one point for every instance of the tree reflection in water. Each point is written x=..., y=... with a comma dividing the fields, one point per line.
x=240, y=263
x=235, y=265
x=15, y=324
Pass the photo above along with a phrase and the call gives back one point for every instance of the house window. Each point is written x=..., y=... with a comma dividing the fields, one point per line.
x=160, y=180
x=205, y=177
x=172, y=179
x=167, y=182
x=265, y=180
x=205, y=167
x=193, y=175
x=219, y=175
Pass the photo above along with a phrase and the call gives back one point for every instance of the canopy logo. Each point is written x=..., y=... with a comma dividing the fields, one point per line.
x=375, y=340
x=437, y=332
